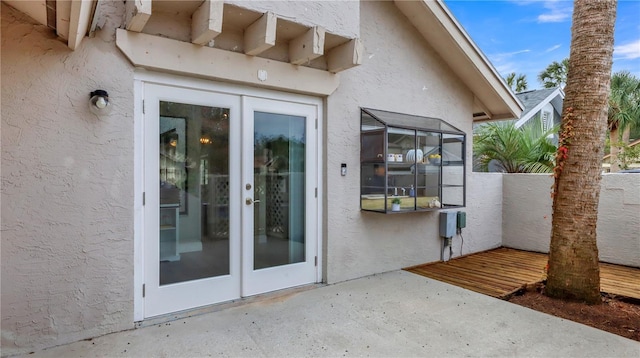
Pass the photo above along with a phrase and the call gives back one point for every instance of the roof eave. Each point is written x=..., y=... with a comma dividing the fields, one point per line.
x=70, y=19
x=442, y=31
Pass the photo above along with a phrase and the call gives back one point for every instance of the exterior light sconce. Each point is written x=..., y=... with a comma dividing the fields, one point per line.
x=99, y=102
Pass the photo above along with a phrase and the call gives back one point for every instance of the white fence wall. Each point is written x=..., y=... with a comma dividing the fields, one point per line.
x=484, y=213
x=526, y=215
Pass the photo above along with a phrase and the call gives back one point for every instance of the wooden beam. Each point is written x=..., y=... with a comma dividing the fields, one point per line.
x=63, y=11
x=345, y=56
x=137, y=14
x=173, y=56
x=79, y=18
x=261, y=35
x=307, y=46
x=206, y=22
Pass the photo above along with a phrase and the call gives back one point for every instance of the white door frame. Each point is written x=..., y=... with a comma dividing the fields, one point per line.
x=140, y=78
x=290, y=275
x=161, y=299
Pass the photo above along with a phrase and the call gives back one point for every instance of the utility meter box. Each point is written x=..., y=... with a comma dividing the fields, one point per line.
x=448, y=223
x=462, y=219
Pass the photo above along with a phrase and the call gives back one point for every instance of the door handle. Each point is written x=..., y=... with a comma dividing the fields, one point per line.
x=250, y=201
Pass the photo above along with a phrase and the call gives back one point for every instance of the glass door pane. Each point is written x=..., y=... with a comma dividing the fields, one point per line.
x=279, y=189
x=194, y=192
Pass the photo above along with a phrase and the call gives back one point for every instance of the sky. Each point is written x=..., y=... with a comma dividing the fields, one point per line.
x=525, y=36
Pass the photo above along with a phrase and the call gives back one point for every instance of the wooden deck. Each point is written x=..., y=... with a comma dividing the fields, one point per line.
x=503, y=271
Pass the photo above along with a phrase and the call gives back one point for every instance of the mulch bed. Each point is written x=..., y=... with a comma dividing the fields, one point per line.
x=617, y=315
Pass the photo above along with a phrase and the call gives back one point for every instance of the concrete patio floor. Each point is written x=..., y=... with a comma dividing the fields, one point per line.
x=396, y=314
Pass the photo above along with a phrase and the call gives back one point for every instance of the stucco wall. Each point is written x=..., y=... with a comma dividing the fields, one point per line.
x=401, y=73
x=337, y=17
x=67, y=210
x=484, y=212
x=527, y=215
x=67, y=190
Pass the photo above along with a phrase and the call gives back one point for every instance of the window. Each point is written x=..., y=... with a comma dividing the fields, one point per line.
x=410, y=163
x=547, y=121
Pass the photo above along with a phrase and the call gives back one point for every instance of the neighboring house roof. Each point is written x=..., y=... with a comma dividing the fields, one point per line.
x=494, y=99
x=535, y=100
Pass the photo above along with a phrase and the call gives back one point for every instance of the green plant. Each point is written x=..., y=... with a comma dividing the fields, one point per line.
x=527, y=149
x=628, y=155
x=396, y=201
x=555, y=75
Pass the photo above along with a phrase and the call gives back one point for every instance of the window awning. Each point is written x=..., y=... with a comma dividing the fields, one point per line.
x=411, y=121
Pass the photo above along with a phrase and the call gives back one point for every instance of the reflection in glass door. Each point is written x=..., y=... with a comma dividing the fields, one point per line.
x=194, y=192
x=279, y=178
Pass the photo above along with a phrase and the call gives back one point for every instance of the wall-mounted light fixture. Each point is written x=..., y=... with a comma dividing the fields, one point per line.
x=99, y=102
x=205, y=139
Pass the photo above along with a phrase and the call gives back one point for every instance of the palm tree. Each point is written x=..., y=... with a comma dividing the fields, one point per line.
x=573, y=253
x=514, y=150
x=624, y=111
x=555, y=75
x=517, y=84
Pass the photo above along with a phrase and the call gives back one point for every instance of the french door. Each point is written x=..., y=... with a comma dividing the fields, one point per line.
x=230, y=207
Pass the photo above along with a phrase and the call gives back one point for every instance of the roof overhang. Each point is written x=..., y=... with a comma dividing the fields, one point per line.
x=69, y=18
x=493, y=98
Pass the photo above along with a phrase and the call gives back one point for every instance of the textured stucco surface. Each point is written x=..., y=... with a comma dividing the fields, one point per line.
x=400, y=73
x=337, y=17
x=67, y=186
x=484, y=212
x=527, y=215
x=67, y=175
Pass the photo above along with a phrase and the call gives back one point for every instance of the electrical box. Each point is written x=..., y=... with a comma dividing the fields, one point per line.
x=462, y=220
x=448, y=224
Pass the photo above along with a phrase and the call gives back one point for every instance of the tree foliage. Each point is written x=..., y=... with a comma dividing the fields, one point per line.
x=518, y=83
x=555, y=75
x=624, y=101
x=627, y=155
x=624, y=111
x=502, y=146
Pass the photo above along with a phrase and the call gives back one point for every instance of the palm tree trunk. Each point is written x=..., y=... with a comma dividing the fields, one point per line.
x=626, y=134
x=573, y=255
x=614, y=139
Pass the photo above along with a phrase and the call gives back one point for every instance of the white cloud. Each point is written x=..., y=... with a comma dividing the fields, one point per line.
x=552, y=48
x=508, y=54
x=556, y=11
x=505, y=68
x=504, y=62
x=628, y=51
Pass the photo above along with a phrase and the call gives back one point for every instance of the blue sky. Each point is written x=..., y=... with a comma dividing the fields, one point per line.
x=526, y=36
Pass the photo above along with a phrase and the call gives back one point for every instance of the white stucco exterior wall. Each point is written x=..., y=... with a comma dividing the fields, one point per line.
x=67, y=190
x=527, y=215
x=484, y=212
x=67, y=187
x=400, y=73
x=337, y=17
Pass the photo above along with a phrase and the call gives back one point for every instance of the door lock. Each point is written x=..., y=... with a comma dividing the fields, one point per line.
x=250, y=201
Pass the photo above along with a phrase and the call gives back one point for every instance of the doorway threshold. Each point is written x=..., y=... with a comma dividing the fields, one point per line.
x=274, y=296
